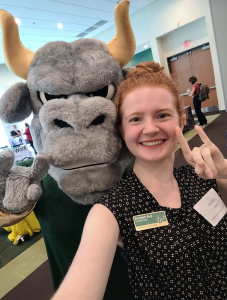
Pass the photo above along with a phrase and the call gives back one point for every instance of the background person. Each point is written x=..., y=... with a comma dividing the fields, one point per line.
x=179, y=254
x=197, y=104
x=29, y=136
x=15, y=132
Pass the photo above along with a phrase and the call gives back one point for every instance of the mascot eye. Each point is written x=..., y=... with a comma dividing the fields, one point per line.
x=44, y=97
x=106, y=92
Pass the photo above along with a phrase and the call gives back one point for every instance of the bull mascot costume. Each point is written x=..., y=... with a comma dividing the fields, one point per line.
x=70, y=89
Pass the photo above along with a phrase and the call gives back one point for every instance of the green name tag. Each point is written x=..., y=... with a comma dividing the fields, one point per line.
x=152, y=220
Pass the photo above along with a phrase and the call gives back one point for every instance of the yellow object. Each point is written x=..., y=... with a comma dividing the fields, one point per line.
x=29, y=225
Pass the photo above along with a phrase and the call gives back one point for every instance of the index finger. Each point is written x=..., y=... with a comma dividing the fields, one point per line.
x=40, y=167
x=183, y=143
x=203, y=136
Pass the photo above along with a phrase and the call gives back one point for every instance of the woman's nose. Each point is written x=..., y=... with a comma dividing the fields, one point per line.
x=150, y=127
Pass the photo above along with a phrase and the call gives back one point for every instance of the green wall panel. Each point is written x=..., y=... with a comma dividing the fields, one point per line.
x=143, y=56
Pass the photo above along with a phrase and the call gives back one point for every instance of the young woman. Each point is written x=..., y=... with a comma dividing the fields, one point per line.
x=172, y=250
x=196, y=103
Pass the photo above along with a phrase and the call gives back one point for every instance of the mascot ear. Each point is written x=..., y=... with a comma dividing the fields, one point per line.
x=15, y=104
x=126, y=70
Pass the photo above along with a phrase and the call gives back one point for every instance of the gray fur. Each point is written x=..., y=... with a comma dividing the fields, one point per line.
x=82, y=66
x=6, y=163
x=86, y=155
x=17, y=181
x=21, y=183
x=15, y=105
x=34, y=192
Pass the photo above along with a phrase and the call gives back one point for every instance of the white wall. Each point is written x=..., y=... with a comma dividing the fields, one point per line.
x=7, y=78
x=160, y=19
x=219, y=20
x=171, y=43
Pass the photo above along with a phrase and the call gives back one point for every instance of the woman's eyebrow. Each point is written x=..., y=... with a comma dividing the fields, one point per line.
x=165, y=109
x=134, y=113
x=157, y=111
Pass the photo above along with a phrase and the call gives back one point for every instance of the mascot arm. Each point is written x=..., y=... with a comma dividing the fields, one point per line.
x=92, y=263
x=19, y=187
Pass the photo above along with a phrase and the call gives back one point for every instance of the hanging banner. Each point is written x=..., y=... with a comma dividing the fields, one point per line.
x=14, y=134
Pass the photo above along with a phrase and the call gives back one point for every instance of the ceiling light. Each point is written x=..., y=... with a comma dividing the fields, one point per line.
x=60, y=26
x=145, y=46
x=17, y=21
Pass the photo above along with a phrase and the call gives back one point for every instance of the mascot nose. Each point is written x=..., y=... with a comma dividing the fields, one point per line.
x=97, y=121
x=61, y=124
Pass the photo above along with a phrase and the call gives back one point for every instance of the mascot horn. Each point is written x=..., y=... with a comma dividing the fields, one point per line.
x=70, y=89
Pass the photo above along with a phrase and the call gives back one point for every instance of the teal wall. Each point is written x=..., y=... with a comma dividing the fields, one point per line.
x=143, y=56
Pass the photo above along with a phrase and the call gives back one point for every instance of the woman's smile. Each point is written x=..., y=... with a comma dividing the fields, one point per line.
x=153, y=144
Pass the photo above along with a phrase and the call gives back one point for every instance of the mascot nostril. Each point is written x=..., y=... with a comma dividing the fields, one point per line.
x=97, y=121
x=61, y=124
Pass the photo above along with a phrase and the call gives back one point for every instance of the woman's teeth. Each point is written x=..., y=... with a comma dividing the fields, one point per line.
x=152, y=143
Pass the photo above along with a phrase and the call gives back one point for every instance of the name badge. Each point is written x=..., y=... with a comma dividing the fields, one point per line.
x=211, y=207
x=152, y=220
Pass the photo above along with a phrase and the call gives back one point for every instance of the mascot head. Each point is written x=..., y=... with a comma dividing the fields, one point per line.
x=70, y=89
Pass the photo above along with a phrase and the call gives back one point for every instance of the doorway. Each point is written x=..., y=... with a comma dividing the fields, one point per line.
x=195, y=62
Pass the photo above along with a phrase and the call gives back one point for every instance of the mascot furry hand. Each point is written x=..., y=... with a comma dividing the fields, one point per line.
x=70, y=89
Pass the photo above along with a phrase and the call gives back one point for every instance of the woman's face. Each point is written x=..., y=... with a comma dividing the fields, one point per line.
x=149, y=119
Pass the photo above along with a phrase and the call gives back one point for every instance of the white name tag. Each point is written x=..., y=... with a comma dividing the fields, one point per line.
x=211, y=207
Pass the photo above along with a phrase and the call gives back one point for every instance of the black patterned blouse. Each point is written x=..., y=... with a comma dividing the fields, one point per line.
x=183, y=260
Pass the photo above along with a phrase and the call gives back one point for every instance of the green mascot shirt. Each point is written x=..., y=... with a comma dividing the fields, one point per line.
x=62, y=221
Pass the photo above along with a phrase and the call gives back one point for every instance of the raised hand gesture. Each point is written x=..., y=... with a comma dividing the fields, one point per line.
x=207, y=159
x=19, y=186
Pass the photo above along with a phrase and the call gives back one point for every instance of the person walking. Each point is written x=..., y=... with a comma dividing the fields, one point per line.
x=197, y=104
x=29, y=136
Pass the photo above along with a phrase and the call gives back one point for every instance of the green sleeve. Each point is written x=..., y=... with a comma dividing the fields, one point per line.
x=26, y=163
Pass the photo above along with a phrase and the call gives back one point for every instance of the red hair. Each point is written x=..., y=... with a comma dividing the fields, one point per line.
x=148, y=74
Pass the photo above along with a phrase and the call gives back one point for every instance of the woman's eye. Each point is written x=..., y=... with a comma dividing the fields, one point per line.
x=136, y=119
x=162, y=116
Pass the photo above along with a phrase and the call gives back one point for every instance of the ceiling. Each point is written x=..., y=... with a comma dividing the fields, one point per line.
x=40, y=18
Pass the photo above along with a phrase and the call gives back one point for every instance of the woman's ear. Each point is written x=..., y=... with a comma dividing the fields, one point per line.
x=182, y=122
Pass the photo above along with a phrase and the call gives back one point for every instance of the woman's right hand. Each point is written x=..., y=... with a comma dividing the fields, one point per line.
x=207, y=159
